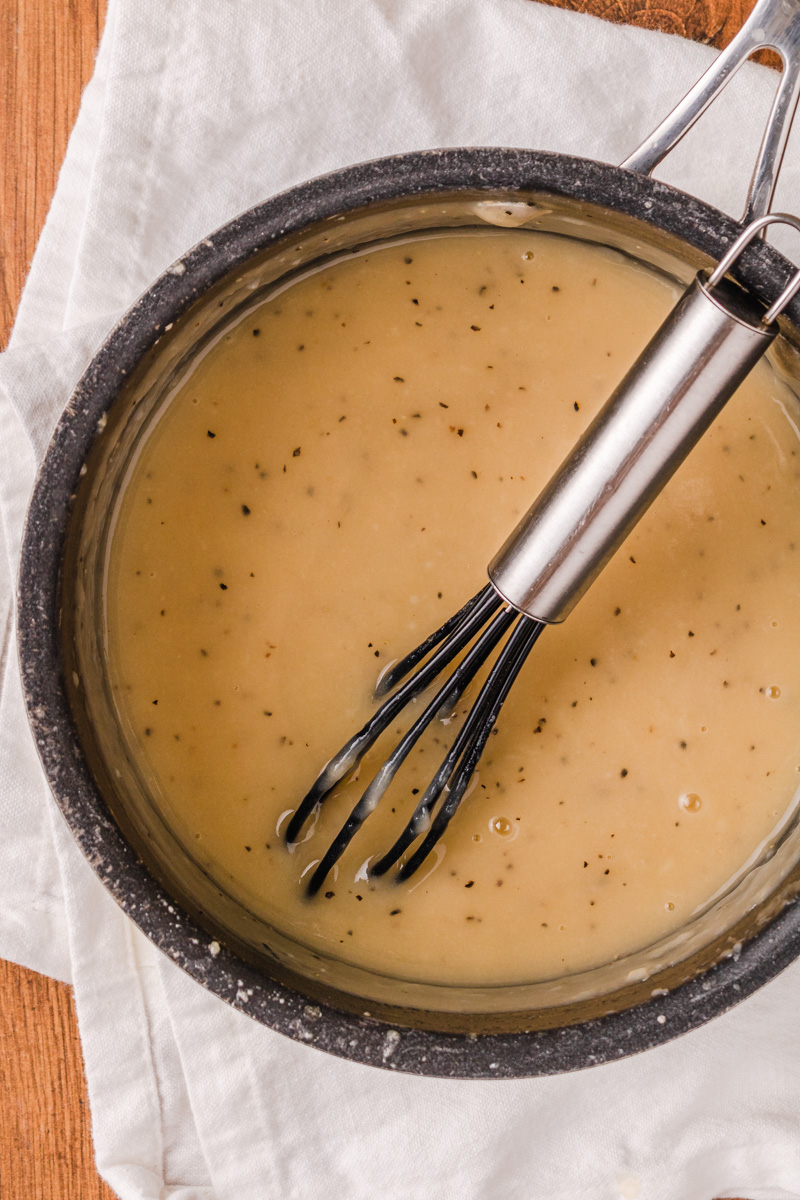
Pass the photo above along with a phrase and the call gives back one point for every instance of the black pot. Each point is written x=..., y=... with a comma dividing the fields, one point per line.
x=739, y=945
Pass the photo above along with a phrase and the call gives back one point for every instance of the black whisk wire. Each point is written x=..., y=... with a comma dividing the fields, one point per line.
x=485, y=597
x=453, y=777
x=481, y=721
x=443, y=701
x=474, y=732
x=455, y=635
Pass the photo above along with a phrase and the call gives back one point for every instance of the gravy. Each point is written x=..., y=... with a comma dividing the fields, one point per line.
x=329, y=483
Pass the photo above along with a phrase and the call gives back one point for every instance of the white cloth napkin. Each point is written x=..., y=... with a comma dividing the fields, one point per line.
x=195, y=112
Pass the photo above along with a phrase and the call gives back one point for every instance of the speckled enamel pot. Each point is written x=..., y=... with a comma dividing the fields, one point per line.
x=768, y=943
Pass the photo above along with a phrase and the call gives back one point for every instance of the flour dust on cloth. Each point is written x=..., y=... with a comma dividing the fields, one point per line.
x=196, y=112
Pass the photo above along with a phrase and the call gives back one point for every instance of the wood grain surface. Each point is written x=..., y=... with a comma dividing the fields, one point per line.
x=45, y=1144
x=713, y=22
x=47, y=50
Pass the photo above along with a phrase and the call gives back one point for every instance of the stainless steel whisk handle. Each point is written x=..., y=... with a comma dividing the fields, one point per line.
x=707, y=346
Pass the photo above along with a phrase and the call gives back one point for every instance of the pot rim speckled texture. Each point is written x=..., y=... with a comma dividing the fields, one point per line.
x=361, y=1039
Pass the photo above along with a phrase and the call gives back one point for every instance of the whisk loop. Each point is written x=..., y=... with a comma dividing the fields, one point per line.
x=479, y=622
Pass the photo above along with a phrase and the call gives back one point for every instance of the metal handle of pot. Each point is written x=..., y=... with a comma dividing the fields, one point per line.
x=709, y=343
x=774, y=25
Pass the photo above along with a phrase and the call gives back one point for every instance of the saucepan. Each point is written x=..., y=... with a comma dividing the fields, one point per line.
x=740, y=942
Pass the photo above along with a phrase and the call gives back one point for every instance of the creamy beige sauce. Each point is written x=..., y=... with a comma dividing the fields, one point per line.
x=328, y=485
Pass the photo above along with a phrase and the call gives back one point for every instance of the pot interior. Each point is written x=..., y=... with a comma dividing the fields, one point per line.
x=728, y=921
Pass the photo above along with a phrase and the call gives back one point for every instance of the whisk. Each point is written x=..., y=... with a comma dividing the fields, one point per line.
x=708, y=344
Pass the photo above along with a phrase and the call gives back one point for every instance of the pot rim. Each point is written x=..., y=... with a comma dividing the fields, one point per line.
x=358, y=1038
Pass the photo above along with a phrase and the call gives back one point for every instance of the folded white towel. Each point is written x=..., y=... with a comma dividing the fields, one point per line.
x=197, y=111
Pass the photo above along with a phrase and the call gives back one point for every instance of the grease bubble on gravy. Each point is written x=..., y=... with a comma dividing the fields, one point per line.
x=327, y=485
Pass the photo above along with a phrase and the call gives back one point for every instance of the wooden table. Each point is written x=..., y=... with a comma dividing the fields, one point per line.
x=47, y=51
